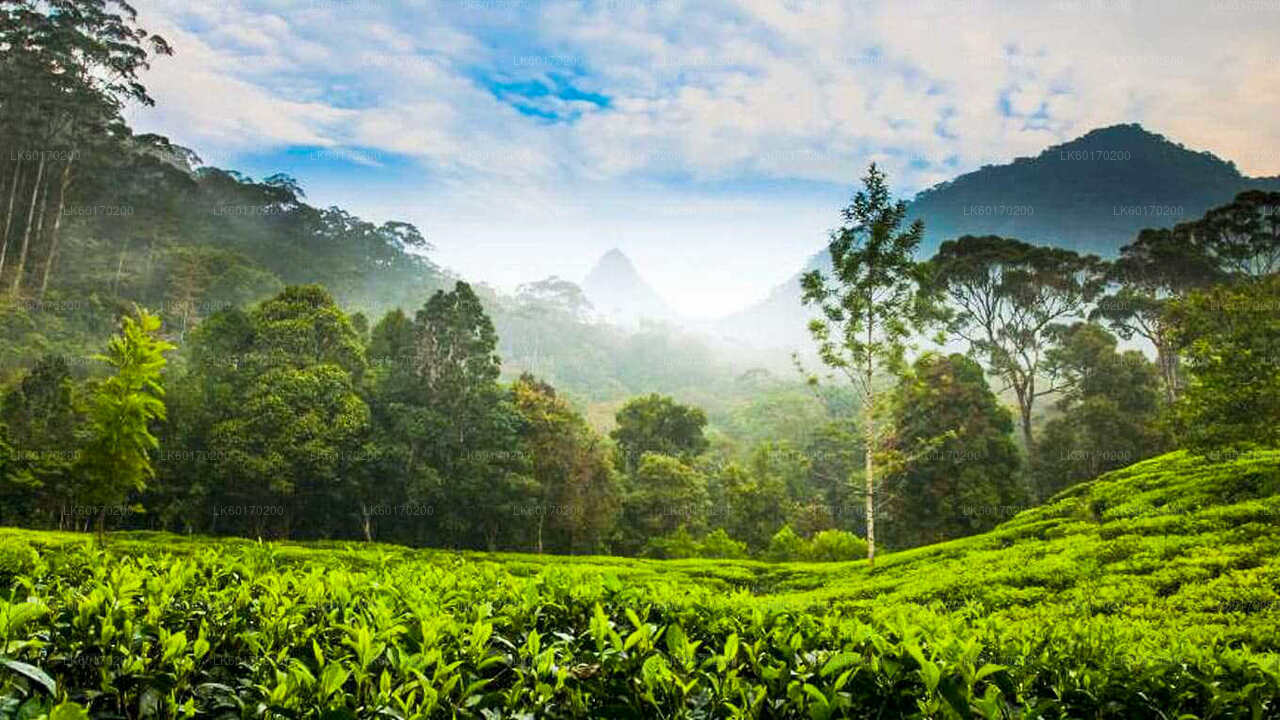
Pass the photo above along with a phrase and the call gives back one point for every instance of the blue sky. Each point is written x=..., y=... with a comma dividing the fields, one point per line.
x=713, y=142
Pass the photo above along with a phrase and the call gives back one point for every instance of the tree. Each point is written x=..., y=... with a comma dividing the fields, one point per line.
x=1006, y=298
x=277, y=388
x=1159, y=266
x=755, y=500
x=657, y=424
x=44, y=420
x=663, y=495
x=577, y=493
x=69, y=69
x=118, y=457
x=1230, y=336
x=1242, y=237
x=961, y=465
x=869, y=307
x=472, y=427
x=1109, y=411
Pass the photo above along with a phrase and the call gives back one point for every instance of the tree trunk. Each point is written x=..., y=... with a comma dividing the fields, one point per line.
x=57, y=224
x=870, y=479
x=367, y=521
x=26, y=234
x=8, y=216
x=541, y=519
x=1167, y=360
x=102, y=526
x=1025, y=398
x=115, y=285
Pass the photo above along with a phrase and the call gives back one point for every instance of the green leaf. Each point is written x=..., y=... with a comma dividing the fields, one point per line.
x=68, y=711
x=31, y=672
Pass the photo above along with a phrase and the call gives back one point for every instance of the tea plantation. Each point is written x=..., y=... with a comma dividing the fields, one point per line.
x=1149, y=593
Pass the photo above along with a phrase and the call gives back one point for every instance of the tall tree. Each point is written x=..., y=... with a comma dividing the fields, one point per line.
x=663, y=495
x=118, y=457
x=1243, y=237
x=1159, y=266
x=1109, y=410
x=471, y=427
x=44, y=421
x=1007, y=297
x=285, y=422
x=961, y=469
x=577, y=491
x=869, y=306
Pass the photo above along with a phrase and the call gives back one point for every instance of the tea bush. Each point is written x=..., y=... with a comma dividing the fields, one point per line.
x=1148, y=593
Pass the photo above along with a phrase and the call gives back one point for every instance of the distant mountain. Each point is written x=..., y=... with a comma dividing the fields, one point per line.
x=621, y=295
x=1092, y=194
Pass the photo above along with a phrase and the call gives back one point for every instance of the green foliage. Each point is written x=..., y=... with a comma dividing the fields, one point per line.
x=836, y=546
x=681, y=544
x=1148, y=593
x=44, y=420
x=955, y=450
x=658, y=424
x=17, y=557
x=786, y=545
x=1110, y=411
x=663, y=495
x=1007, y=299
x=869, y=307
x=1231, y=339
x=578, y=493
x=118, y=457
x=718, y=544
x=824, y=546
x=270, y=399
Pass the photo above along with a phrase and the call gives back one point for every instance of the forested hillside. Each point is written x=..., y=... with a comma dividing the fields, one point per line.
x=1092, y=195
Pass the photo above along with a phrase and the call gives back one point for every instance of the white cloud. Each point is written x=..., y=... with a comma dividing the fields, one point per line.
x=717, y=91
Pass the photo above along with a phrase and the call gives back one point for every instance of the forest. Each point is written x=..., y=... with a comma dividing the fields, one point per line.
x=277, y=370
x=209, y=385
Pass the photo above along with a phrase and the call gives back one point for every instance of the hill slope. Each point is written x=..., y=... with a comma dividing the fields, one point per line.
x=1150, y=592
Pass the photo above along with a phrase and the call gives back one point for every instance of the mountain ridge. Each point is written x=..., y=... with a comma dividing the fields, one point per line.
x=1090, y=194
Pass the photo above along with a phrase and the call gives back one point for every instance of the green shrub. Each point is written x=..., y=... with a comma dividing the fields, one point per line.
x=786, y=546
x=836, y=546
x=719, y=545
x=678, y=545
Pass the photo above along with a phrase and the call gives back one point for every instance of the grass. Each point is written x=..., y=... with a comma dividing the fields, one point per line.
x=1153, y=591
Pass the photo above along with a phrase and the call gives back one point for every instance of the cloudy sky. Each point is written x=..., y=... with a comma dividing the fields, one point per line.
x=712, y=141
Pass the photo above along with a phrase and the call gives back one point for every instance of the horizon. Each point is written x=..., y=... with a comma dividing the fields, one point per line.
x=524, y=155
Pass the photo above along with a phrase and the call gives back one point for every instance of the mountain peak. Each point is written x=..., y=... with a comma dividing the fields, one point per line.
x=617, y=289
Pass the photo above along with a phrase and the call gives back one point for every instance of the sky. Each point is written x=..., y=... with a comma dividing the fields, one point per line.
x=713, y=142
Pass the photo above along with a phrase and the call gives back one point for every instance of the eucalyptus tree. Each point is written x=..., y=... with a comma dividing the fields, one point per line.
x=68, y=70
x=1007, y=299
x=869, y=305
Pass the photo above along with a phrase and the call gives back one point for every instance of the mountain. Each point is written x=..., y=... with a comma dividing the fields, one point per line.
x=1092, y=194
x=621, y=295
